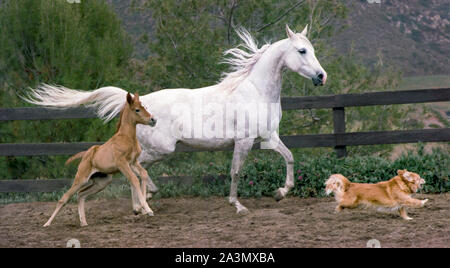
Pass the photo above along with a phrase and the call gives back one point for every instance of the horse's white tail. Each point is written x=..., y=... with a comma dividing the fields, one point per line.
x=107, y=101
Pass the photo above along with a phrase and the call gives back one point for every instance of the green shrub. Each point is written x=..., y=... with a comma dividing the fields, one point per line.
x=264, y=173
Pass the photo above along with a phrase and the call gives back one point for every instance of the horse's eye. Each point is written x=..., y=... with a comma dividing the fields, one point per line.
x=302, y=51
x=137, y=110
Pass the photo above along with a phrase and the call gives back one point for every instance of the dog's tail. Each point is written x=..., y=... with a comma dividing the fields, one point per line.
x=78, y=155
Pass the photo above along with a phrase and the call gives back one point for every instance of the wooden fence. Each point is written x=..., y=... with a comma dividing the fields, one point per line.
x=338, y=140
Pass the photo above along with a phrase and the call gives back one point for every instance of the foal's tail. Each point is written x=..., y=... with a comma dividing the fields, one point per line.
x=78, y=155
x=107, y=101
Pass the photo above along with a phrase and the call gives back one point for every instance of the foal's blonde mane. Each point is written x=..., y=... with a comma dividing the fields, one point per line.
x=241, y=62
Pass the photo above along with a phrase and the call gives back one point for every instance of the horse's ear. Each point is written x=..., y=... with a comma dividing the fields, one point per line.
x=136, y=96
x=129, y=98
x=305, y=31
x=289, y=32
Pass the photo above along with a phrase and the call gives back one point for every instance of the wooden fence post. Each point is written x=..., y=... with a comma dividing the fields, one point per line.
x=339, y=128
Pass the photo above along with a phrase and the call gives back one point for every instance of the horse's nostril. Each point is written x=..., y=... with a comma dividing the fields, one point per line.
x=320, y=76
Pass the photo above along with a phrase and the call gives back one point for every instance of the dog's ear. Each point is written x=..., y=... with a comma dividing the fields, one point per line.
x=408, y=176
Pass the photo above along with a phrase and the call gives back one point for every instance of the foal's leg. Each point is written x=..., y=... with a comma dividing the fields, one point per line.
x=143, y=174
x=125, y=168
x=98, y=184
x=241, y=150
x=278, y=146
x=137, y=208
x=82, y=176
x=147, y=160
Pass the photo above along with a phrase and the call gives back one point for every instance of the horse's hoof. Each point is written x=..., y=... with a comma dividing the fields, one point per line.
x=154, y=190
x=136, y=212
x=150, y=213
x=279, y=195
x=243, y=211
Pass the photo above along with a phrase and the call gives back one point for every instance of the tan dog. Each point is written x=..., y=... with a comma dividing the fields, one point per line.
x=394, y=193
x=118, y=154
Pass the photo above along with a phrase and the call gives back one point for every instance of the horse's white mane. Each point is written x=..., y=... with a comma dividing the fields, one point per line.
x=241, y=61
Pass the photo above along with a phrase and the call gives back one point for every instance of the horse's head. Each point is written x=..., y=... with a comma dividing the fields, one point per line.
x=300, y=57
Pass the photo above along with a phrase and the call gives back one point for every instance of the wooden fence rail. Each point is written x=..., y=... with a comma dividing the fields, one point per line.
x=338, y=140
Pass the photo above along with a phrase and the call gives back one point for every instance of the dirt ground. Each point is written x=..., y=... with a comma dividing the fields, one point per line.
x=211, y=222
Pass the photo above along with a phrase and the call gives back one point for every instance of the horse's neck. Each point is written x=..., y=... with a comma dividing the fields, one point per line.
x=266, y=75
x=126, y=126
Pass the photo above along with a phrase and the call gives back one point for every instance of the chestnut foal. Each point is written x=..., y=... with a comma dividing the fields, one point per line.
x=120, y=153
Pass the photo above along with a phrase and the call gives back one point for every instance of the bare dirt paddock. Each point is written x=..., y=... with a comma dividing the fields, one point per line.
x=211, y=222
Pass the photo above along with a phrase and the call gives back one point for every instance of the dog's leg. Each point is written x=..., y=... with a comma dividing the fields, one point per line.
x=98, y=184
x=347, y=202
x=82, y=176
x=412, y=202
x=403, y=213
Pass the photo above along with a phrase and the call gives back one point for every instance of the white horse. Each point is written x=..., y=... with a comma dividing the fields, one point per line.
x=255, y=81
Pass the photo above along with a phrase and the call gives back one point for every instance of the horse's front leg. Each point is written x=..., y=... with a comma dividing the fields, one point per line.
x=278, y=146
x=241, y=150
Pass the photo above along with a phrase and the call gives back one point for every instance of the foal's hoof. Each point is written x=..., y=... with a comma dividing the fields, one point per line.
x=150, y=213
x=136, y=212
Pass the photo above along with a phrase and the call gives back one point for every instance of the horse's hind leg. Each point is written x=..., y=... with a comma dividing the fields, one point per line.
x=98, y=184
x=82, y=176
x=241, y=150
x=152, y=188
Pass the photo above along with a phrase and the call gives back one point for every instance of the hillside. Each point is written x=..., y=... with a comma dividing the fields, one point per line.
x=412, y=35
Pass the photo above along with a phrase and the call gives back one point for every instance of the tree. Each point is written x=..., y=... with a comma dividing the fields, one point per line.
x=52, y=41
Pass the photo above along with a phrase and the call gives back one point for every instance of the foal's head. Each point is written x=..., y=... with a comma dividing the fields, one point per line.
x=137, y=112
